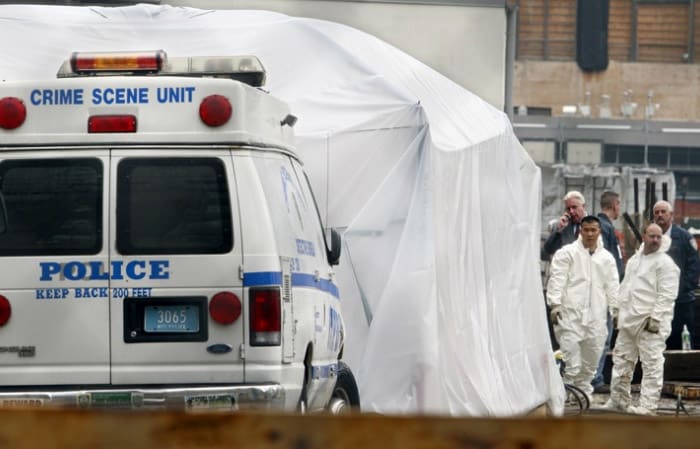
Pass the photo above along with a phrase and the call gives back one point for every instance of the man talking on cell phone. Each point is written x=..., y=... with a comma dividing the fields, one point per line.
x=567, y=228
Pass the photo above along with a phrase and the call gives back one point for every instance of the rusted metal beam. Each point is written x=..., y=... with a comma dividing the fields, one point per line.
x=691, y=31
x=48, y=429
x=634, y=45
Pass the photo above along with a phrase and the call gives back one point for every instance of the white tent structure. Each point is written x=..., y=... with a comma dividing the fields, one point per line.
x=439, y=203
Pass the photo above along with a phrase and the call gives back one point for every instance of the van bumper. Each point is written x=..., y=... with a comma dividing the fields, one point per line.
x=190, y=398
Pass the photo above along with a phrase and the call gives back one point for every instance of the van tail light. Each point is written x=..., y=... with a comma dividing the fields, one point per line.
x=225, y=308
x=265, y=316
x=12, y=112
x=5, y=310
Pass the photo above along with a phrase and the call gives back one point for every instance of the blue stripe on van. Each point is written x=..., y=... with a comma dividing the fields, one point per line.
x=261, y=278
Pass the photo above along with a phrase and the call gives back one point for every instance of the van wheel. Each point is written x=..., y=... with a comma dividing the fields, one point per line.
x=345, y=395
x=303, y=404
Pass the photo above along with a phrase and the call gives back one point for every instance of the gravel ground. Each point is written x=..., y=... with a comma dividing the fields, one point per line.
x=668, y=406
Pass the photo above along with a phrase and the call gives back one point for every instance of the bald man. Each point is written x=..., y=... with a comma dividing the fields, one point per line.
x=684, y=252
x=643, y=315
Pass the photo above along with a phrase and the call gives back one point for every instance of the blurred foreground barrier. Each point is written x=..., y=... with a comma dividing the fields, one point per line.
x=47, y=429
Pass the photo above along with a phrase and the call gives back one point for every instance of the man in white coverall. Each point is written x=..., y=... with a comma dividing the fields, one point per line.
x=583, y=282
x=643, y=316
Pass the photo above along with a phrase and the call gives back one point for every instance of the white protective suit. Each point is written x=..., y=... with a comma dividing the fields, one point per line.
x=648, y=291
x=584, y=285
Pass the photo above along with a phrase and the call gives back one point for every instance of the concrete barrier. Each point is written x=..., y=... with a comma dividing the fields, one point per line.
x=76, y=429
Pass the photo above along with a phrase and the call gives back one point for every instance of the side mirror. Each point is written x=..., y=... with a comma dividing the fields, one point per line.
x=333, y=253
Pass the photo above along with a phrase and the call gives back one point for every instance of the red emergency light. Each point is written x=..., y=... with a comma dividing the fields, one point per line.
x=5, y=310
x=151, y=61
x=112, y=124
x=225, y=308
x=215, y=110
x=12, y=113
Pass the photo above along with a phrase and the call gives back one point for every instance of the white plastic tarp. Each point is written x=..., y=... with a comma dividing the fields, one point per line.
x=439, y=203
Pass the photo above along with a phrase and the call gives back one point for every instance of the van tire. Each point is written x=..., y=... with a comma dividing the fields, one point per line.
x=346, y=395
x=303, y=403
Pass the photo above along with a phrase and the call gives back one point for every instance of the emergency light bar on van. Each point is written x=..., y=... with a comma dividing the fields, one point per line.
x=246, y=69
x=92, y=63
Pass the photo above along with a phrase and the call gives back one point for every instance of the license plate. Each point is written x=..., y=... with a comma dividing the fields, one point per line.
x=171, y=318
x=207, y=402
x=111, y=400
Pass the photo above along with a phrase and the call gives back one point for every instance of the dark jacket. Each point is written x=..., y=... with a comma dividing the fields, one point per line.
x=684, y=253
x=607, y=233
x=556, y=240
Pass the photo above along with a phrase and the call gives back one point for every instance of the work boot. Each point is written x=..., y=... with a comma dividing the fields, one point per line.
x=639, y=410
x=601, y=388
x=613, y=406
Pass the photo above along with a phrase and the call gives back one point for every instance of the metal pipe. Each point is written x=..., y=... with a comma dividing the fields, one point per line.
x=652, y=200
x=691, y=31
x=545, y=31
x=632, y=226
x=634, y=47
x=647, y=197
x=511, y=44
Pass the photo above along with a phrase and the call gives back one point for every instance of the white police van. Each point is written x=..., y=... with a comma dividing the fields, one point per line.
x=160, y=246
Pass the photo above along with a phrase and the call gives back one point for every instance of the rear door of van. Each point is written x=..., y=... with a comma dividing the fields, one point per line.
x=175, y=249
x=53, y=252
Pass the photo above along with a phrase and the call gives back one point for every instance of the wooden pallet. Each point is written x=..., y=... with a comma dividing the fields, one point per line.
x=687, y=390
x=683, y=366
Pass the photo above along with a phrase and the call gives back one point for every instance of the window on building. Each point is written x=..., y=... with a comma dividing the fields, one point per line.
x=623, y=154
x=662, y=157
x=687, y=185
x=678, y=157
x=657, y=157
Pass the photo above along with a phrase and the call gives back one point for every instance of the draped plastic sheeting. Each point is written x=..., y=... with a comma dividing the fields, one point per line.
x=439, y=203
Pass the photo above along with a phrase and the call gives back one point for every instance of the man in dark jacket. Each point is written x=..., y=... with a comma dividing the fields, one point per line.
x=566, y=229
x=610, y=204
x=684, y=252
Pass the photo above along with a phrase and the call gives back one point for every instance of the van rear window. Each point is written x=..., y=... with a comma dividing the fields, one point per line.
x=173, y=206
x=54, y=206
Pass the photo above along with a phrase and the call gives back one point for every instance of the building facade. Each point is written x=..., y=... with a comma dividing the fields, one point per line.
x=640, y=111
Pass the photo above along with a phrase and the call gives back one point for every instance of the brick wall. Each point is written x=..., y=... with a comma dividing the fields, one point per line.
x=557, y=83
x=653, y=47
x=664, y=31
